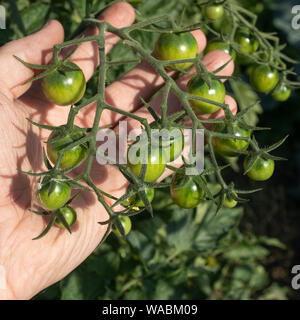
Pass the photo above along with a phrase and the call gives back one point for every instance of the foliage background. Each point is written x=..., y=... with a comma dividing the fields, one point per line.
x=243, y=253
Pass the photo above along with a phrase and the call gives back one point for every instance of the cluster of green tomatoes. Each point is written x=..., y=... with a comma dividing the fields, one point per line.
x=66, y=86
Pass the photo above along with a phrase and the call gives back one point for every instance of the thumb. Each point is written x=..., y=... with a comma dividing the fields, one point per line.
x=36, y=49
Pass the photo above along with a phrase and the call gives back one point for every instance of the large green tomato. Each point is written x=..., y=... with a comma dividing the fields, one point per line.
x=198, y=87
x=214, y=12
x=263, y=78
x=229, y=147
x=57, y=198
x=282, y=93
x=185, y=192
x=156, y=163
x=262, y=170
x=60, y=139
x=176, y=46
x=217, y=44
x=64, y=86
x=69, y=214
x=126, y=224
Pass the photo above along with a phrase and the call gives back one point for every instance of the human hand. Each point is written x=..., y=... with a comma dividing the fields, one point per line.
x=29, y=266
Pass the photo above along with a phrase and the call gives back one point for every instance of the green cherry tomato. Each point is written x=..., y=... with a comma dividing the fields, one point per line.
x=57, y=198
x=150, y=195
x=172, y=144
x=282, y=93
x=61, y=138
x=176, y=46
x=197, y=86
x=65, y=85
x=69, y=214
x=263, y=78
x=262, y=170
x=217, y=44
x=247, y=42
x=214, y=12
x=126, y=224
x=185, y=192
x=229, y=202
x=156, y=163
x=229, y=147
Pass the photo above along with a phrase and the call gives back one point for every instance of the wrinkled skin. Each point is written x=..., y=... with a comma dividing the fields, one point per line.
x=27, y=266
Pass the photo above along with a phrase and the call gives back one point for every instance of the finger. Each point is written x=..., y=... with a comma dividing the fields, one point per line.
x=120, y=15
x=35, y=49
x=140, y=82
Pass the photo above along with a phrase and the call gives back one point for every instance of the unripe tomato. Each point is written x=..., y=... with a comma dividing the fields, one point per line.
x=176, y=46
x=217, y=44
x=229, y=202
x=156, y=164
x=172, y=143
x=57, y=198
x=214, y=12
x=186, y=192
x=126, y=224
x=198, y=87
x=248, y=44
x=282, y=93
x=150, y=195
x=64, y=86
x=69, y=214
x=263, y=78
x=229, y=147
x=136, y=200
x=61, y=138
x=262, y=170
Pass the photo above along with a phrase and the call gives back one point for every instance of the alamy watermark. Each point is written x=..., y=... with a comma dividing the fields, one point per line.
x=296, y=279
x=2, y=17
x=113, y=147
x=296, y=18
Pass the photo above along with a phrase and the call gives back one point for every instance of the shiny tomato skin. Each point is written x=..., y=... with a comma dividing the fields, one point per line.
x=214, y=12
x=64, y=86
x=59, y=196
x=176, y=46
x=282, y=93
x=196, y=86
x=262, y=170
x=217, y=44
x=126, y=224
x=185, y=192
x=69, y=214
x=229, y=147
x=60, y=139
x=156, y=164
x=263, y=78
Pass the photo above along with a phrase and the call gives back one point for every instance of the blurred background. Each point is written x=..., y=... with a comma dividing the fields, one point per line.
x=242, y=253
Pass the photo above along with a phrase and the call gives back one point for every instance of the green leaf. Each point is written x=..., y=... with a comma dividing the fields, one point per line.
x=245, y=251
x=213, y=228
x=142, y=245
